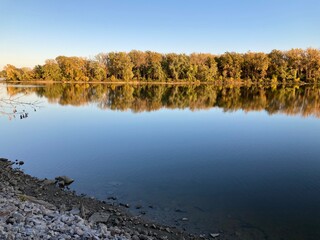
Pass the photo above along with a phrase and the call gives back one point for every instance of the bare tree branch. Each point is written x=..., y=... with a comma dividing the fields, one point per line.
x=14, y=107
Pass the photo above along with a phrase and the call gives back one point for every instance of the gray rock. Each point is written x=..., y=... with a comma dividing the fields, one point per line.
x=18, y=217
x=41, y=202
x=144, y=237
x=135, y=237
x=75, y=211
x=78, y=231
x=62, y=184
x=99, y=217
x=48, y=182
x=67, y=181
x=214, y=235
x=10, y=220
x=29, y=231
x=83, y=211
x=124, y=205
x=112, y=198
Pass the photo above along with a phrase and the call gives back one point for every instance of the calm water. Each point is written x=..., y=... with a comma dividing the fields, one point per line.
x=244, y=161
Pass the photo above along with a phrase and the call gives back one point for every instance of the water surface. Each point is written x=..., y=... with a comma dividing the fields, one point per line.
x=241, y=161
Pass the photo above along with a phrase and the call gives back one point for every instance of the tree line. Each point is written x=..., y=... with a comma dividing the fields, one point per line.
x=295, y=65
x=274, y=98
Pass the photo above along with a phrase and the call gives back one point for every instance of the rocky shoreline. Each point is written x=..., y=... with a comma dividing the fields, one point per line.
x=32, y=208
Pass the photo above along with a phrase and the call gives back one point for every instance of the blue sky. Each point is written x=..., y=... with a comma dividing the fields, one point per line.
x=35, y=30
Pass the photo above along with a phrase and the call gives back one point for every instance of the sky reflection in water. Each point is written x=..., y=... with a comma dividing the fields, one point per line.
x=250, y=174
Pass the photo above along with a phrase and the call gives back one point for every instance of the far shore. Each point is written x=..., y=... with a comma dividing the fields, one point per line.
x=133, y=82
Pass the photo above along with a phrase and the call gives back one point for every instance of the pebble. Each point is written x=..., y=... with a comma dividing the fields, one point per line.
x=31, y=220
x=27, y=217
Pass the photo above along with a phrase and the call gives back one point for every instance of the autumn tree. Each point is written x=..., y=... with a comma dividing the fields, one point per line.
x=153, y=69
x=294, y=57
x=295, y=64
x=96, y=71
x=52, y=71
x=278, y=65
x=27, y=74
x=3, y=74
x=176, y=66
x=102, y=59
x=139, y=61
x=203, y=67
x=72, y=68
x=13, y=73
x=119, y=65
x=230, y=64
x=255, y=66
x=311, y=64
x=38, y=72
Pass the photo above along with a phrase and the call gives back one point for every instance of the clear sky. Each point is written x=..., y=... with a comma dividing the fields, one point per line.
x=35, y=30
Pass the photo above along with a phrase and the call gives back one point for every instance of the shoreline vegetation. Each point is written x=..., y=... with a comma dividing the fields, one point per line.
x=292, y=66
x=168, y=83
x=33, y=208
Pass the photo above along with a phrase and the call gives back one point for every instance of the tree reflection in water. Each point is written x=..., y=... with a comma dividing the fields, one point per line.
x=290, y=100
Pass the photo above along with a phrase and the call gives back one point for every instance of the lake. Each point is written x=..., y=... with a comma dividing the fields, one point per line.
x=243, y=161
